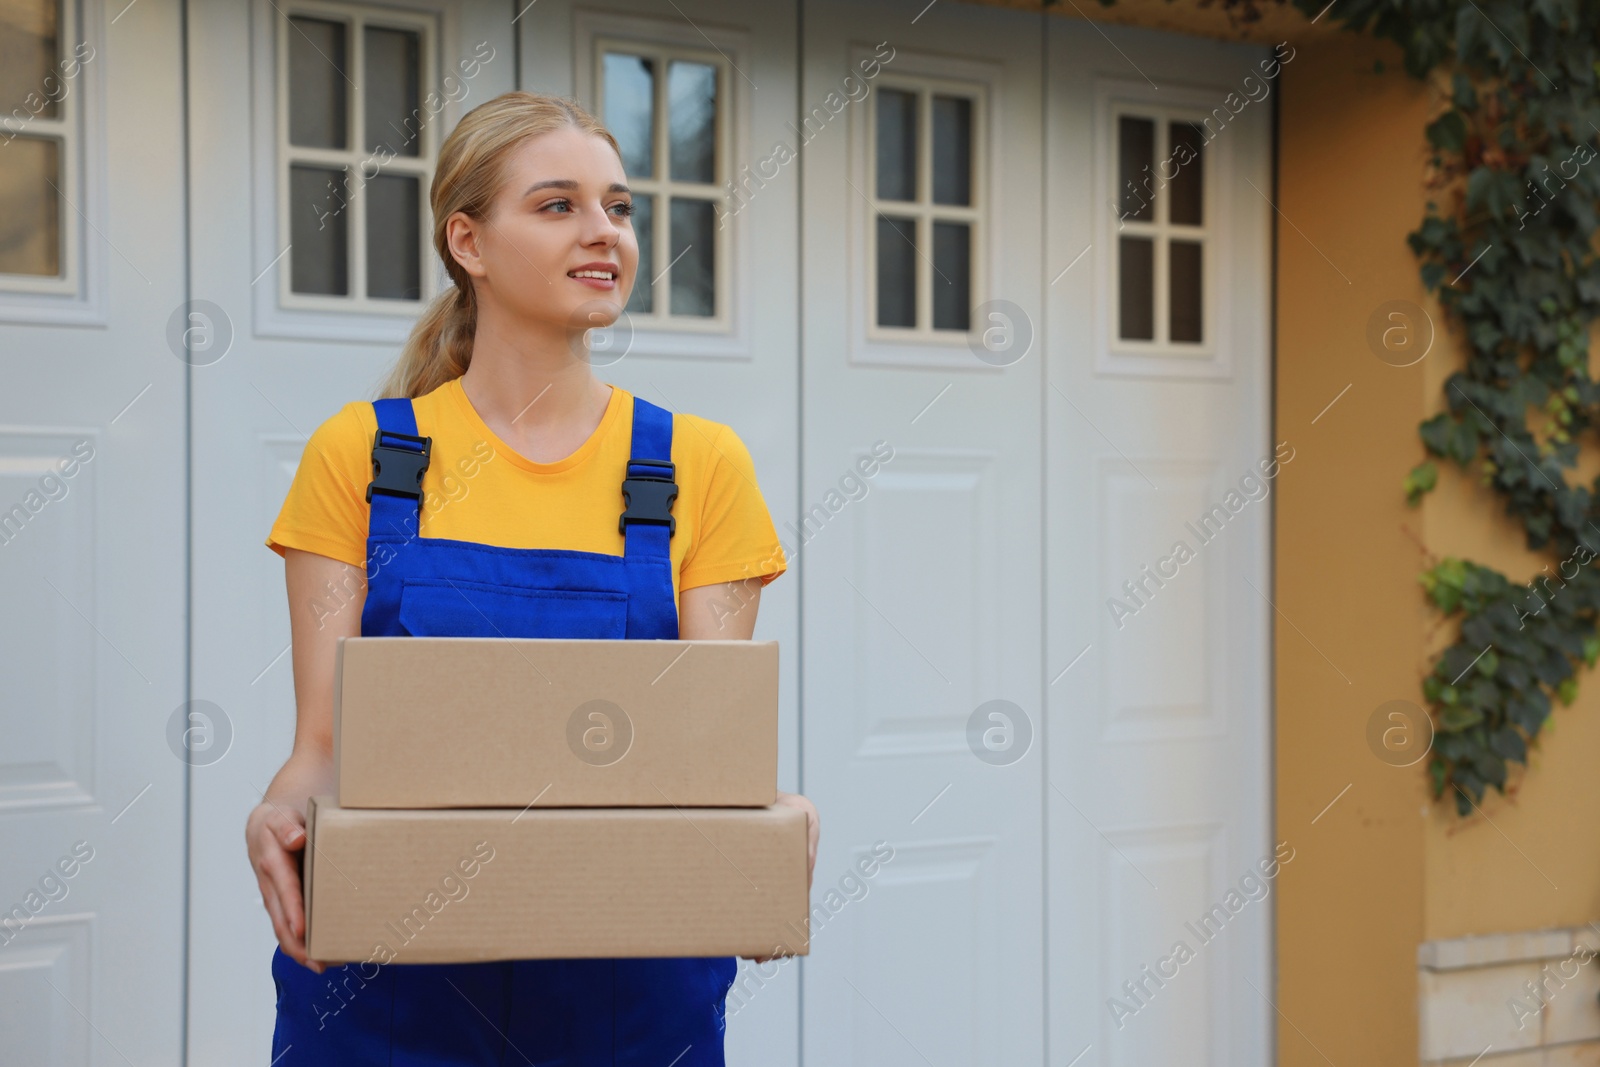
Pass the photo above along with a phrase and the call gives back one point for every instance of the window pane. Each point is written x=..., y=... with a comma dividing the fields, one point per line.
x=30, y=211
x=692, y=114
x=391, y=108
x=394, y=237
x=1136, y=288
x=29, y=47
x=952, y=150
x=897, y=145
x=897, y=271
x=318, y=257
x=693, y=258
x=1183, y=269
x=629, y=110
x=642, y=299
x=1136, y=144
x=952, y=279
x=1185, y=189
x=317, y=83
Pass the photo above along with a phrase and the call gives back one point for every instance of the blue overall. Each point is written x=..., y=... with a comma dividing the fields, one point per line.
x=644, y=1012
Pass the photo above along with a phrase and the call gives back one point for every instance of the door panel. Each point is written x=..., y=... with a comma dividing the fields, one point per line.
x=920, y=528
x=92, y=538
x=1156, y=664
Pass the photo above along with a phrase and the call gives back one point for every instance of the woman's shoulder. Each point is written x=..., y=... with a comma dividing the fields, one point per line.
x=354, y=422
x=710, y=448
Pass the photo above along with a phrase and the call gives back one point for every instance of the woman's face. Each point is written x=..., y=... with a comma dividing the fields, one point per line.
x=564, y=208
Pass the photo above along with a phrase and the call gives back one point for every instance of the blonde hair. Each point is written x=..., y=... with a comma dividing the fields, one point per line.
x=470, y=171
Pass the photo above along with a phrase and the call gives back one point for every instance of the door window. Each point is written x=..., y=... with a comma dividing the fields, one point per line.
x=926, y=234
x=356, y=151
x=667, y=108
x=41, y=69
x=1163, y=229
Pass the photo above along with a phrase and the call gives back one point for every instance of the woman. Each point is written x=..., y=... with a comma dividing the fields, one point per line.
x=525, y=453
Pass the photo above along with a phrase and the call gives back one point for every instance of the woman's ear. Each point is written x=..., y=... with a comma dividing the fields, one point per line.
x=462, y=234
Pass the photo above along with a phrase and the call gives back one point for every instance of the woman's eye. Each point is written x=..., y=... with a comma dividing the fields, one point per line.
x=558, y=203
x=624, y=210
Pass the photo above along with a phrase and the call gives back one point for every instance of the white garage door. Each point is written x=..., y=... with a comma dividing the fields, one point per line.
x=981, y=400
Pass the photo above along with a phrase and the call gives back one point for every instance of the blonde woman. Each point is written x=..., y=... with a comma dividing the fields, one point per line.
x=518, y=520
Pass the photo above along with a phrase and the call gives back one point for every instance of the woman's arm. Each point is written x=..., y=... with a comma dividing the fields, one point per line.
x=325, y=601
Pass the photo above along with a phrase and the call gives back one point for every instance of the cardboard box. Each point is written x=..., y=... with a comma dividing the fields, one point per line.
x=431, y=886
x=483, y=722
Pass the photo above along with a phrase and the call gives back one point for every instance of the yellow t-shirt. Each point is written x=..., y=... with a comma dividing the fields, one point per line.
x=477, y=488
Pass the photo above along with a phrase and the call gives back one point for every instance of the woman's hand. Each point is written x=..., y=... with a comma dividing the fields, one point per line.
x=276, y=829
x=274, y=836
x=813, y=831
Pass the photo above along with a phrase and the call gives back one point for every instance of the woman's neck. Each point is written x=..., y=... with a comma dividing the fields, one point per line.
x=534, y=388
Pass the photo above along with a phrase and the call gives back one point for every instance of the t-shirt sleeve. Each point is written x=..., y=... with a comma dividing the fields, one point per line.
x=325, y=510
x=737, y=539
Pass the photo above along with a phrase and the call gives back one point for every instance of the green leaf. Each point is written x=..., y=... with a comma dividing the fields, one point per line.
x=1457, y=717
x=1591, y=649
x=1448, y=132
x=1423, y=477
x=1488, y=663
x=1567, y=691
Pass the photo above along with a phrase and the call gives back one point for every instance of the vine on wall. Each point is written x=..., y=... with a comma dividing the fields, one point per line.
x=1508, y=249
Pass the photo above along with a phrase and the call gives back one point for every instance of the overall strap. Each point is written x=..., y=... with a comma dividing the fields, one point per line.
x=648, y=489
x=399, y=456
x=647, y=524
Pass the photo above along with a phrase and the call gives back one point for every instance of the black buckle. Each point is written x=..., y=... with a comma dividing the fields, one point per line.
x=648, y=498
x=398, y=470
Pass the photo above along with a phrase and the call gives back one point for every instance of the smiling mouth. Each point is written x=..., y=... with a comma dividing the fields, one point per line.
x=604, y=275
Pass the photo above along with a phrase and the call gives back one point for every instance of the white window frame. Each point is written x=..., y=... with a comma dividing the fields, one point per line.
x=76, y=296
x=1160, y=357
x=356, y=158
x=355, y=318
x=727, y=335
x=874, y=345
x=662, y=188
x=924, y=211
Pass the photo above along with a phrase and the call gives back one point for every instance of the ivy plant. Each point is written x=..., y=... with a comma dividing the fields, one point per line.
x=1507, y=250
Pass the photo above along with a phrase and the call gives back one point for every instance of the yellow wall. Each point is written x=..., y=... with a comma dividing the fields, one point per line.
x=1386, y=867
x=1351, y=905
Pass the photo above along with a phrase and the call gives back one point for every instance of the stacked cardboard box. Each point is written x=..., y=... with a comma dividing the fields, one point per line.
x=505, y=798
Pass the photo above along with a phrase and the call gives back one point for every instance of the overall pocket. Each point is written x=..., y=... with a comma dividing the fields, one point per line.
x=440, y=607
